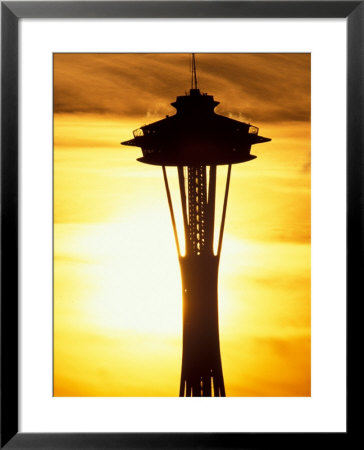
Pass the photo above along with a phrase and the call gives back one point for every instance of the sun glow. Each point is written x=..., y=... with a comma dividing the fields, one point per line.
x=132, y=287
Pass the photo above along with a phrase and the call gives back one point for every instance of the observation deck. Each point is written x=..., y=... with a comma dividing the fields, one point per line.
x=196, y=135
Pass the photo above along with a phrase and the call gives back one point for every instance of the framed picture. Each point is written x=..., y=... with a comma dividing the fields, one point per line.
x=79, y=372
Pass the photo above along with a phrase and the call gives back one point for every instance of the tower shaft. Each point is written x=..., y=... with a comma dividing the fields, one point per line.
x=201, y=361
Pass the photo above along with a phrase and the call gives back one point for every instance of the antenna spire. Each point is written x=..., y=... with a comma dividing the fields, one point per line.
x=193, y=73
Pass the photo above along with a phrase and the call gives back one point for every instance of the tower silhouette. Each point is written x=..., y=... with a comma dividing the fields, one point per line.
x=196, y=140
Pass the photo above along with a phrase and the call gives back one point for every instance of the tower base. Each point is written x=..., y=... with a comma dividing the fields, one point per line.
x=201, y=361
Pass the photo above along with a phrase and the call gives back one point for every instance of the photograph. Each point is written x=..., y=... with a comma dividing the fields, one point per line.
x=181, y=225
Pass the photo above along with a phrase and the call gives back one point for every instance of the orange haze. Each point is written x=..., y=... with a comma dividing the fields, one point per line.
x=117, y=293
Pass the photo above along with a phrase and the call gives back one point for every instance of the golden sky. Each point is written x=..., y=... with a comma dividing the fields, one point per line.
x=117, y=287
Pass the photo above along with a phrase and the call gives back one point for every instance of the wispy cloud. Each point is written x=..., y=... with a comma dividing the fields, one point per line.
x=261, y=87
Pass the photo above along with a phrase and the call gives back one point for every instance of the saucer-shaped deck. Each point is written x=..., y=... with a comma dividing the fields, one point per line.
x=196, y=135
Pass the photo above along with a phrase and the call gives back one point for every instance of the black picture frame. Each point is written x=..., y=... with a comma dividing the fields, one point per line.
x=11, y=12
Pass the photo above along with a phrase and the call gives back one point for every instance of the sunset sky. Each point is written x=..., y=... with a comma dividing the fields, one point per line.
x=117, y=287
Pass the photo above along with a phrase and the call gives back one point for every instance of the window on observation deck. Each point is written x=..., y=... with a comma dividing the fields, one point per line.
x=253, y=130
x=139, y=132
